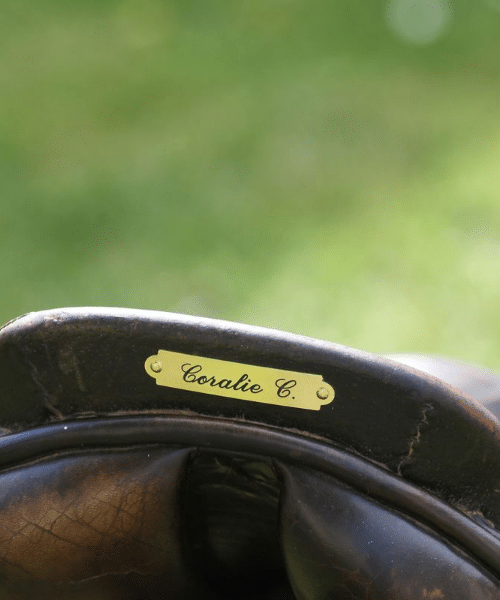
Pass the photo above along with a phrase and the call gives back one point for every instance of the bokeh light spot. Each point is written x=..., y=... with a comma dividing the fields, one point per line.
x=419, y=21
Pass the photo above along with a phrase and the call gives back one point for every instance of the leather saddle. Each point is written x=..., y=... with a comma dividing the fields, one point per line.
x=148, y=455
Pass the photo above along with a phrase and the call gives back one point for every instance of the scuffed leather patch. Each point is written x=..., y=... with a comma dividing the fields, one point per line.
x=78, y=517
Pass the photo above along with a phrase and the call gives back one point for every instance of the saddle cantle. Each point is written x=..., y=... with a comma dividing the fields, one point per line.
x=153, y=455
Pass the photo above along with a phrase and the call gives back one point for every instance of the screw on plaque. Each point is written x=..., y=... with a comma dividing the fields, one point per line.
x=156, y=366
x=322, y=393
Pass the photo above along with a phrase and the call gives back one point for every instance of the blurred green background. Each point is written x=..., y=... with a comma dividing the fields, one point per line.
x=327, y=168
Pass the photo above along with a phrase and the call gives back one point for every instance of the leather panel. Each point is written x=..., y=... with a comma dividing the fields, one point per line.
x=343, y=546
x=100, y=523
x=157, y=522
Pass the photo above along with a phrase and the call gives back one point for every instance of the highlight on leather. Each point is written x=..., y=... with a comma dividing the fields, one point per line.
x=114, y=488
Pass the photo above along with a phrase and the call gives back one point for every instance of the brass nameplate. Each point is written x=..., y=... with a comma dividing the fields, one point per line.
x=238, y=380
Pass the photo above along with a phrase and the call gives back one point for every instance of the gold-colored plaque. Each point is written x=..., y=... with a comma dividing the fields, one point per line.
x=239, y=381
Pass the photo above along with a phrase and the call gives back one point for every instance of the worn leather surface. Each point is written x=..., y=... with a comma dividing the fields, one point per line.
x=340, y=544
x=113, y=487
x=156, y=522
x=95, y=523
x=83, y=362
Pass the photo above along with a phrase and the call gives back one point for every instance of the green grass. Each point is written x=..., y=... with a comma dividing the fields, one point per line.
x=287, y=164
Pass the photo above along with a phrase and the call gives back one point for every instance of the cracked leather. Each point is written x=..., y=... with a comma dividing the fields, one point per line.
x=115, y=488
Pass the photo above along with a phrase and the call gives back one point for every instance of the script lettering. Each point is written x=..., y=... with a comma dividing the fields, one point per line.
x=285, y=387
x=243, y=384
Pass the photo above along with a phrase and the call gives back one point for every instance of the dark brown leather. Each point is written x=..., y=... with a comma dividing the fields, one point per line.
x=77, y=524
x=142, y=522
x=113, y=488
